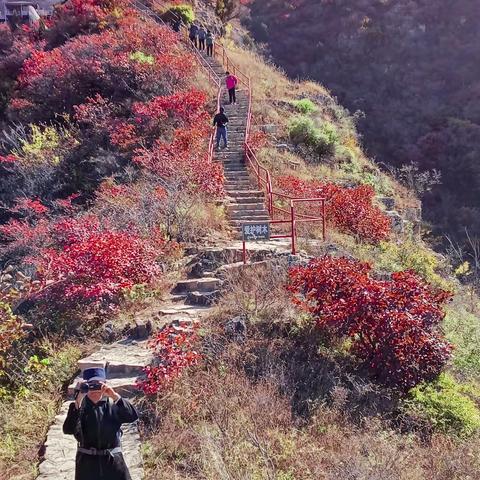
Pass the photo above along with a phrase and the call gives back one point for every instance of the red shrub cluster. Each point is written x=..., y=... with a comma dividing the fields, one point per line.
x=393, y=325
x=174, y=352
x=98, y=268
x=351, y=210
x=82, y=259
x=138, y=57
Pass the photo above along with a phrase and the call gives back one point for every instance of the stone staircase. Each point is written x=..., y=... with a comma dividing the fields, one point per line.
x=126, y=360
x=190, y=300
x=245, y=203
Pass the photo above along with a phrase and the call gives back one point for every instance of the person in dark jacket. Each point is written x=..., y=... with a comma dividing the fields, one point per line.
x=220, y=121
x=95, y=419
x=210, y=42
x=202, y=35
x=177, y=25
x=193, y=34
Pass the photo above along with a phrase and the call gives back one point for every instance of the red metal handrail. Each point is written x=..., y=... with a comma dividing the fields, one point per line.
x=263, y=175
x=212, y=75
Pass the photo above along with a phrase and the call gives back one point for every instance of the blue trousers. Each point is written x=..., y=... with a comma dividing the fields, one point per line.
x=221, y=133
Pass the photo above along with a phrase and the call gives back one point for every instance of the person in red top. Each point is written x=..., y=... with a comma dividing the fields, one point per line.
x=231, y=81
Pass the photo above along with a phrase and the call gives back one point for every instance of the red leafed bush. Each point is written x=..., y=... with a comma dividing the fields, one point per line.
x=351, y=210
x=139, y=58
x=393, y=325
x=75, y=17
x=174, y=352
x=184, y=161
x=187, y=107
x=98, y=267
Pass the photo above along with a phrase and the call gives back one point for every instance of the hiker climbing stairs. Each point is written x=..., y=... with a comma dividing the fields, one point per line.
x=245, y=203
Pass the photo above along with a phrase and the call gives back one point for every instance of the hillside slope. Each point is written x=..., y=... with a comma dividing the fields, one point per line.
x=357, y=358
x=411, y=67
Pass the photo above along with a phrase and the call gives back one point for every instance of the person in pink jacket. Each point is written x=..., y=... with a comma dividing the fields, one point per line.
x=231, y=81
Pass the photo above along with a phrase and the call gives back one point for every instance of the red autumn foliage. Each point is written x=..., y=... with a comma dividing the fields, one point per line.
x=105, y=64
x=393, y=325
x=174, y=352
x=98, y=267
x=75, y=17
x=185, y=108
x=351, y=210
x=184, y=162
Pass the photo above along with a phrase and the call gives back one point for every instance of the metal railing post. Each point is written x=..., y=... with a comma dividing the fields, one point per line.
x=294, y=233
x=324, y=221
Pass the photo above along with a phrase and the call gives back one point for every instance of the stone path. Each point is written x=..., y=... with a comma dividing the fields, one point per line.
x=189, y=302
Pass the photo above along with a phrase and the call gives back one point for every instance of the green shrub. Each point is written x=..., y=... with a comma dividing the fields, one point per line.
x=462, y=328
x=302, y=130
x=141, y=57
x=321, y=141
x=305, y=106
x=446, y=405
x=185, y=12
x=411, y=255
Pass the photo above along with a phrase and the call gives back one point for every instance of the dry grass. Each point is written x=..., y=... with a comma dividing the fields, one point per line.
x=218, y=424
x=26, y=416
x=282, y=403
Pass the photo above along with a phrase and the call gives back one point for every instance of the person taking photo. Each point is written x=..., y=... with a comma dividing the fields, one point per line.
x=95, y=419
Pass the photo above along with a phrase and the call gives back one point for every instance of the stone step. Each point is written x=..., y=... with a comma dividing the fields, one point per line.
x=238, y=222
x=245, y=201
x=123, y=357
x=233, y=173
x=234, y=177
x=237, y=187
x=185, y=322
x=236, y=172
x=242, y=184
x=248, y=194
x=238, y=207
x=238, y=177
x=198, y=284
x=248, y=215
x=235, y=159
x=203, y=298
x=182, y=311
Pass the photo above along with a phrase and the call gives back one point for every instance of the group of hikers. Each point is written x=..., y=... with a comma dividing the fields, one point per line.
x=202, y=39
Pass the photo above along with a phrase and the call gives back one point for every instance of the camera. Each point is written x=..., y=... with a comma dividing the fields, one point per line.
x=85, y=387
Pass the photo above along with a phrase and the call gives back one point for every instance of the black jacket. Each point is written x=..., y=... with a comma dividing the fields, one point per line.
x=98, y=426
x=220, y=120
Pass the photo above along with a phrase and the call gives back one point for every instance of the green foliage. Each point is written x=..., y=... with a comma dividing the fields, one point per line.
x=27, y=412
x=141, y=57
x=462, y=328
x=41, y=140
x=446, y=405
x=305, y=106
x=321, y=140
x=185, y=12
x=411, y=255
